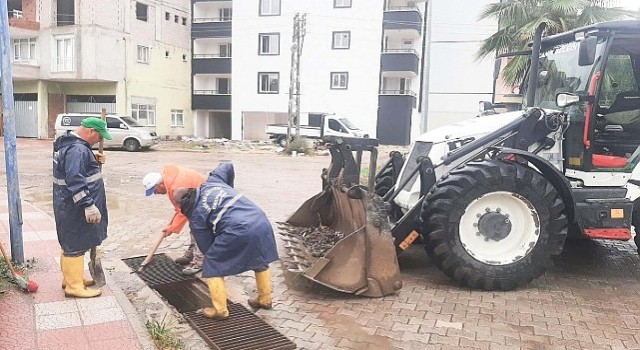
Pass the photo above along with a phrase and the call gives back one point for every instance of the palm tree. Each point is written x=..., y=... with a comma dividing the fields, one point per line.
x=518, y=20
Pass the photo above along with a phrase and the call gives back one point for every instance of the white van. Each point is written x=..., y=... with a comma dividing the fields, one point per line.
x=126, y=131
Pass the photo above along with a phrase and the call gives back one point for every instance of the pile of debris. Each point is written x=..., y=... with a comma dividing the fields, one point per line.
x=306, y=244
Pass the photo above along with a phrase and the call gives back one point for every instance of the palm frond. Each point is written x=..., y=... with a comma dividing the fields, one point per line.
x=502, y=41
x=515, y=70
x=515, y=10
x=595, y=14
x=566, y=6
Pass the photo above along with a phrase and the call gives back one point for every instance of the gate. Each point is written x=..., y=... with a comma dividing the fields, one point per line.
x=26, y=118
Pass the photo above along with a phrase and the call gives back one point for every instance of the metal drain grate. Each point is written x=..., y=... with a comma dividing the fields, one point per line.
x=241, y=331
x=161, y=270
x=185, y=296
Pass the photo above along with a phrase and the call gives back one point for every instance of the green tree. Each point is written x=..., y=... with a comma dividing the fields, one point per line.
x=518, y=20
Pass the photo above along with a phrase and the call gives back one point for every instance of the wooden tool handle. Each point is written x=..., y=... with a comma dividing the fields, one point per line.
x=103, y=116
x=6, y=257
x=152, y=251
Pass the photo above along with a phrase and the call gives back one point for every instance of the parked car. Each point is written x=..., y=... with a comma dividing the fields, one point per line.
x=126, y=131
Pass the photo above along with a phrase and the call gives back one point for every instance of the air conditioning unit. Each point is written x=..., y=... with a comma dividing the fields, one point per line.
x=16, y=14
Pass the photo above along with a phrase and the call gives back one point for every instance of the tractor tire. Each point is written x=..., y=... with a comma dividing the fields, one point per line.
x=384, y=182
x=493, y=225
x=635, y=221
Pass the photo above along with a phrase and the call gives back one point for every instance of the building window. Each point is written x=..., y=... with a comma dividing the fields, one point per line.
x=184, y=58
x=144, y=114
x=268, y=83
x=143, y=54
x=184, y=21
x=142, y=11
x=24, y=50
x=167, y=54
x=269, y=7
x=341, y=40
x=63, y=57
x=269, y=44
x=339, y=80
x=341, y=3
x=176, y=19
x=225, y=14
x=177, y=118
x=66, y=12
x=167, y=16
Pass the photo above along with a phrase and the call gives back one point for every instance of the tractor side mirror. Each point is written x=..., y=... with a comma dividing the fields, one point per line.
x=564, y=99
x=496, y=68
x=587, y=51
x=485, y=106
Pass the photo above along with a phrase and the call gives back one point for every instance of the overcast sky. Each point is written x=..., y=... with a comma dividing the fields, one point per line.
x=629, y=4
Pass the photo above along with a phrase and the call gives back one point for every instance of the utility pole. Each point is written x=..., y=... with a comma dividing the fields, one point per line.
x=9, y=127
x=299, y=31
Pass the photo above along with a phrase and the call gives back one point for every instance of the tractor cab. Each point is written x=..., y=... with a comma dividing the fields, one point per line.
x=593, y=74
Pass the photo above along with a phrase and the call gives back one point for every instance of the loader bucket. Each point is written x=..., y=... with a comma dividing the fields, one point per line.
x=340, y=238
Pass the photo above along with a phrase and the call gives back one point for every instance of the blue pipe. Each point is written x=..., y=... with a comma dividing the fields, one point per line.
x=9, y=127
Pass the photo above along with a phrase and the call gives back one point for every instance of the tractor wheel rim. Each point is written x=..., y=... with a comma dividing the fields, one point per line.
x=499, y=228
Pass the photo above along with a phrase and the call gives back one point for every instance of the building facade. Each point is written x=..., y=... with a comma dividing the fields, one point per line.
x=129, y=57
x=222, y=68
x=361, y=59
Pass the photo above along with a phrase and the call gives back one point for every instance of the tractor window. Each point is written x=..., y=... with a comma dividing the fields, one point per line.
x=559, y=72
x=618, y=78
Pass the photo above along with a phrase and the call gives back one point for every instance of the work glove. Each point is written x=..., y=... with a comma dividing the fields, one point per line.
x=167, y=232
x=100, y=157
x=92, y=214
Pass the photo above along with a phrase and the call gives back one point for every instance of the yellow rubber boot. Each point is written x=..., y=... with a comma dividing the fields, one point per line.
x=72, y=271
x=263, y=301
x=88, y=282
x=218, y=299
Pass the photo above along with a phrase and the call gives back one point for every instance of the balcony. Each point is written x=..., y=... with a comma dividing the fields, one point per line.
x=400, y=60
x=210, y=99
x=201, y=28
x=211, y=64
x=403, y=17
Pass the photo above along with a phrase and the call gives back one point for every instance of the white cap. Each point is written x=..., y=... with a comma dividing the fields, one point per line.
x=150, y=181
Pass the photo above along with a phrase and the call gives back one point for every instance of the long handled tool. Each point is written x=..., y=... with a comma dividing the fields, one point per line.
x=95, y=264
x=147, y=260
x=22, y=281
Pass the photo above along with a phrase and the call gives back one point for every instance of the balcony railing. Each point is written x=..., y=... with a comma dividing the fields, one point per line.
x=211, y=19
x=209, y=55
x=413, y=51
x=63, y=64
x=212, y=92
x=398, y=92
x=402, y=8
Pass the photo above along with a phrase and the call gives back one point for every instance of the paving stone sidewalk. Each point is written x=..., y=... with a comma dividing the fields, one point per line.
x=46, y=319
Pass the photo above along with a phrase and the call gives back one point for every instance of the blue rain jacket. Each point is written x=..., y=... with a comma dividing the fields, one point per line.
x=233, y=233
x=77, y=184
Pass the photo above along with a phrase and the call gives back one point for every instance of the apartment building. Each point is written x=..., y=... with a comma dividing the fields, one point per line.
x=129, y=57
x=361, y=59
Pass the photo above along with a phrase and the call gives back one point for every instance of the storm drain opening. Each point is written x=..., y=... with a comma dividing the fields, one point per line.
x=188, y=294
x=161, y=270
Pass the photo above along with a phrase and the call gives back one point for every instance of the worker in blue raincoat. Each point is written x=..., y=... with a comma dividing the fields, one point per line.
x=79, y=202
x=233, y=233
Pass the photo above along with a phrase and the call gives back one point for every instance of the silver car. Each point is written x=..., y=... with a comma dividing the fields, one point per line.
x=126, y=131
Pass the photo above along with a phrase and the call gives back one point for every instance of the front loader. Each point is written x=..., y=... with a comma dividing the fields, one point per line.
x=352, y=220
x=493, y=198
